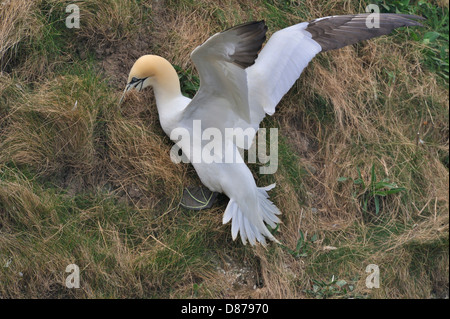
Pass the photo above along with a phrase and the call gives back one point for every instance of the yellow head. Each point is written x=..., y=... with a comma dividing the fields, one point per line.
x=152, y=70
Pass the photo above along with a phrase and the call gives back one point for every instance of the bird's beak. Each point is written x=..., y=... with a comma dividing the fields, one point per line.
x=138, y=84
x=127, y=88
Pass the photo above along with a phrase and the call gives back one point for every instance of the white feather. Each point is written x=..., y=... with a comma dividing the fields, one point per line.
x=233, y=97
x=279, y=65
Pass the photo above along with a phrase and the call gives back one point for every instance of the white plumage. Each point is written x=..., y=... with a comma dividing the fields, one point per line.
x=238, y=86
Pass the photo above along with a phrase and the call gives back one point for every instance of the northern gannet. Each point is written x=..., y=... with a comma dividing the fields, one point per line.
x=239, y=85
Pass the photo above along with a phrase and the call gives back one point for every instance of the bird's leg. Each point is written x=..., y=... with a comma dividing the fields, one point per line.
x=197, y=198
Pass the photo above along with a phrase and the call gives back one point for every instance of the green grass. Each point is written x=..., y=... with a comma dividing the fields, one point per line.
x=97, y=226
x=302, y=248
x=370, y=196
x=189, y=81
x=333, y=288
x=93, y=185
x=434, y=38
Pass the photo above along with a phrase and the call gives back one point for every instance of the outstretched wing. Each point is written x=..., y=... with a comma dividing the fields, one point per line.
x=222, y=98
x=289, y=51
x=338, y=31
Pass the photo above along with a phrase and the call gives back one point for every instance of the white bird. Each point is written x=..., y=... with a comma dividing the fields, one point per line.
x=239, y=85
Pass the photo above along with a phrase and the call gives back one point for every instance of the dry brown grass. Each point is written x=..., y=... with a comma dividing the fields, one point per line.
x=53, y=130
x=115, y=208
x=108, y=22
x=139, y=156
x=17, y=24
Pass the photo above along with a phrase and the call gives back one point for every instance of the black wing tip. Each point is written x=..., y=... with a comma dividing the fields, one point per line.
x=256, y=22
x=253, y=35
x=251, y=25
x=329, y=33
x=402, y=16
x=409, y=19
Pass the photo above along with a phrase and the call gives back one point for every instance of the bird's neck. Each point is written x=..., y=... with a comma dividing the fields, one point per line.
x=166, y=87
x=169, y=99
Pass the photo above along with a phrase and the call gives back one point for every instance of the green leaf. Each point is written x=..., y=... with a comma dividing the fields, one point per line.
x=395, y=190
x=300, y=241
x=430, y=37
x=365, y=205
x=377, y=205
x=341, y=283
x=373, y=177
x=342, y=179
x=385, y=184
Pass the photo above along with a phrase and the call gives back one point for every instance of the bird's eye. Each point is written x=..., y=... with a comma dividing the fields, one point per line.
x=134, y=79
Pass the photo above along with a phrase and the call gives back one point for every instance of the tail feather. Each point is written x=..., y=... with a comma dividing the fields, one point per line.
x=241, y=226
x=270, y=212
x=230, y=212
x=266, y=212
x=250, y=231
x=236, y=219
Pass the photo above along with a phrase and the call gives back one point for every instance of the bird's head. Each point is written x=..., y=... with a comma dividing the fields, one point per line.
x=148, y=70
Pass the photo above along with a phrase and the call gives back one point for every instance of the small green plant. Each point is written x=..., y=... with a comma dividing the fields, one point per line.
x=196, y=288
x=189, y=82
x=371, y=194
x=434, y=37
x=274, y=231
x=328, y=289
x=302, y=249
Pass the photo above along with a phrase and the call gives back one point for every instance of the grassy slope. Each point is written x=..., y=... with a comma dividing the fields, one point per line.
x=84, y=182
